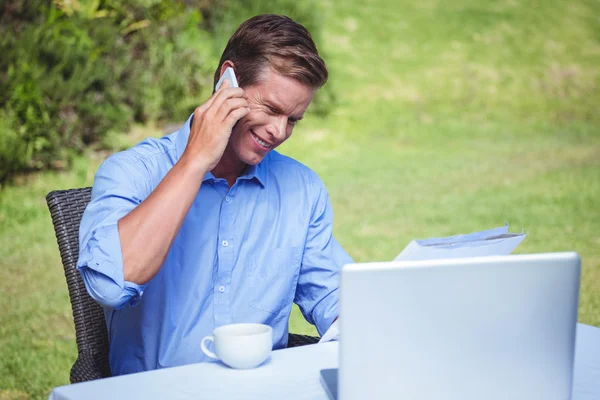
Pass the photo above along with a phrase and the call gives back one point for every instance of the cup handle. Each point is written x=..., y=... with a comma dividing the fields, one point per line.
x=205, y=349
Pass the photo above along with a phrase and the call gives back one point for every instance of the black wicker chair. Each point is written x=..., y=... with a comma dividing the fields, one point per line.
x=66, y=208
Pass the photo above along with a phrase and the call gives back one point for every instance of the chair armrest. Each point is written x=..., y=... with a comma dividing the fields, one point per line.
x=295, y=340
x=89, y=366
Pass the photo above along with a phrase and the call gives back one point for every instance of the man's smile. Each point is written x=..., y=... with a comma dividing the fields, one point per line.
x=261, y=142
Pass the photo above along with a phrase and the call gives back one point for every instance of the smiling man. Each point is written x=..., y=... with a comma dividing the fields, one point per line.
x=210, y=225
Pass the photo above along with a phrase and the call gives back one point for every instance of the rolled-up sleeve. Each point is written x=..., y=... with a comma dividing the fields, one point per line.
x=118, y=189
x=317, y=293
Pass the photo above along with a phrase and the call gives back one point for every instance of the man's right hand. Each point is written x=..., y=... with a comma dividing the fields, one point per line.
x=212, y=126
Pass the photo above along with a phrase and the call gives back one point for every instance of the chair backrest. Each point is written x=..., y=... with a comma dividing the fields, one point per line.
x=66, y=208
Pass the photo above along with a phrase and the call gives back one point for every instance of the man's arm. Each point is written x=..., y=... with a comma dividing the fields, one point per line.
x=148, y=231
x=317, y=292
x=126, y=232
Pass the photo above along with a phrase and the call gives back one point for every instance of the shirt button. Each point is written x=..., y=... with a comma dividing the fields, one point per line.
x=222, y=289
x=225, y=243
x=141, y=293
x=227, y=199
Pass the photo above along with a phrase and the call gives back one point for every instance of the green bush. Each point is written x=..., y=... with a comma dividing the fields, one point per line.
x=13, y=150
x=75, y=73
x=70, y=73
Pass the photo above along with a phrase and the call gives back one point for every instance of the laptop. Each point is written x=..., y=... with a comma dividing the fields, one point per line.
x=500, y=327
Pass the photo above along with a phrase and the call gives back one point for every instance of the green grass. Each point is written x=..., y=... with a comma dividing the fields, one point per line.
x=452, y=117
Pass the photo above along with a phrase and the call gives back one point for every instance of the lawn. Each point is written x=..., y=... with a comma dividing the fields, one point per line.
x=451, y=117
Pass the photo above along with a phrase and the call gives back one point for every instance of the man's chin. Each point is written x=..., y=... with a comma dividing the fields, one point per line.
x=253, y=159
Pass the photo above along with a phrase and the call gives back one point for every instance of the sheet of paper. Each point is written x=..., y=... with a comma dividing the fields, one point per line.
x=492, y=242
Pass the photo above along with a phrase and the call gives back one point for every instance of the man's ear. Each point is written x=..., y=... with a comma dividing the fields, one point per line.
x=226, y=64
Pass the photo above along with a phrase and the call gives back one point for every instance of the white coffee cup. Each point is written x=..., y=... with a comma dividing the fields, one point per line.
x=240, y=346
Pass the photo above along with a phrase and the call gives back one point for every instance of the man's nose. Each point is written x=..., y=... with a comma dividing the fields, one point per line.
x=277, y=127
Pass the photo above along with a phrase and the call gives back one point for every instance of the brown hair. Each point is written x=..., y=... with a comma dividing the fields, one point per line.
x=276, y=41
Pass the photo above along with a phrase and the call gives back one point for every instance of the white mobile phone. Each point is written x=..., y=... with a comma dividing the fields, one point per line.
x=229, y=74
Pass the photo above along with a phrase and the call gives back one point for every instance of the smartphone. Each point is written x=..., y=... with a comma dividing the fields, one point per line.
x=230, y=75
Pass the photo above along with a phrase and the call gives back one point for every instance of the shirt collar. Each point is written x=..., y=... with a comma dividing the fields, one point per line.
x=258, y=172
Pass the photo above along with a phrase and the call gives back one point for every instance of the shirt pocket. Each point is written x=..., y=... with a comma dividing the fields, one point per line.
x=273, y=279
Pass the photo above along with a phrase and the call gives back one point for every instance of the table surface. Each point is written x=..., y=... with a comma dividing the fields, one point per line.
x=291, y=373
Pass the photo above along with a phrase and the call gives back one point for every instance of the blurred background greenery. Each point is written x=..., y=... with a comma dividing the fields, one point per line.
x=439, y=118
x=78, y=73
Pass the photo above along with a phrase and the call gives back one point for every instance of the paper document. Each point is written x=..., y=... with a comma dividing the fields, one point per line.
x=493, y=242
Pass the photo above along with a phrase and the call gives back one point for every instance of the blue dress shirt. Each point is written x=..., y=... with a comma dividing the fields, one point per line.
x=243, y=254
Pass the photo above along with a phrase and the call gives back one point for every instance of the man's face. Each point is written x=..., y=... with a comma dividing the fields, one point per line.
x=276, y=104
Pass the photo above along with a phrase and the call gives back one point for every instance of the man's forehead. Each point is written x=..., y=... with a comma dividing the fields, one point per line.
x=284, y=92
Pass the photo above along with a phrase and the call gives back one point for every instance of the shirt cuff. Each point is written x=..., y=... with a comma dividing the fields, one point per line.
x=326, y=311
x=101, y=267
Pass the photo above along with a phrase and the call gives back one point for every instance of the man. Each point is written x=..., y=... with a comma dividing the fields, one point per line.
x=210, y=226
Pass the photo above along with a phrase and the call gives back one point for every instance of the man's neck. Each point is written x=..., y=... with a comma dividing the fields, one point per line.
x=230, y=167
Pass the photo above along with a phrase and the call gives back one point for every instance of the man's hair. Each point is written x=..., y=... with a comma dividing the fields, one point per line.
x=276, y=41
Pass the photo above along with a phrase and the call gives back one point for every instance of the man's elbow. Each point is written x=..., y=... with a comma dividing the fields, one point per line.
x=114, y=303
x=104, y=290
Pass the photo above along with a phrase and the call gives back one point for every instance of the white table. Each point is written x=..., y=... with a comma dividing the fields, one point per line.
x=290, y=374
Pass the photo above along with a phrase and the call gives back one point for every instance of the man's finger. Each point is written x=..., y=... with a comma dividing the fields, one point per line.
x=211, y=99
x=230, y=104
x=235, y=115
x=223, y=95
x=224, y=84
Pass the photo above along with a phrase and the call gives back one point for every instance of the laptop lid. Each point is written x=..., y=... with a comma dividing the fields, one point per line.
x=499, y=327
